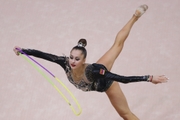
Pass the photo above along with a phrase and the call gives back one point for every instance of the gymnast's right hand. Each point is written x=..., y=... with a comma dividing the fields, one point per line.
x=15, y=50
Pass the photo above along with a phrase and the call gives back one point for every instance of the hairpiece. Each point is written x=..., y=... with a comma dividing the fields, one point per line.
x=80, y=44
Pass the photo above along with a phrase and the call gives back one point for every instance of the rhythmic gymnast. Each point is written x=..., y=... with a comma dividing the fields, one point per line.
x=97, y=76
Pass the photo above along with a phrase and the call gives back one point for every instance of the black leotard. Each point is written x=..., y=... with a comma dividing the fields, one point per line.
x=93, y=79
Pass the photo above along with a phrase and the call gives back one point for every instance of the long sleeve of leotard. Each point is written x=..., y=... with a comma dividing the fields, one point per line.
x=125, y=79
x=47, y=56
x=98, y=71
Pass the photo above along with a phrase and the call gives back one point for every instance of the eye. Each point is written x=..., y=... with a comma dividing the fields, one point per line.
x=71, y=57
x=77, y=59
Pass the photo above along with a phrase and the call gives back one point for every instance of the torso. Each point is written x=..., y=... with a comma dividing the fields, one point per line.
x=80, y=82
x=80, y=77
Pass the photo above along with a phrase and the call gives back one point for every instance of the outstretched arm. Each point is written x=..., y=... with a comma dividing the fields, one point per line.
x=99, y=71
x=127, y=79
x=36, y=53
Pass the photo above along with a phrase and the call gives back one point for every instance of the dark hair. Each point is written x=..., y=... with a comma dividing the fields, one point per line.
x=81, y=46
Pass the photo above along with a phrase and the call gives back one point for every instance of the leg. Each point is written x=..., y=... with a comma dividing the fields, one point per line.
x=119, y=102
x=110, y=56
x=115, y=93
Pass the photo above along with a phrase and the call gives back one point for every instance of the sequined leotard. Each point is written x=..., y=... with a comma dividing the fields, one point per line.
x=93, y=79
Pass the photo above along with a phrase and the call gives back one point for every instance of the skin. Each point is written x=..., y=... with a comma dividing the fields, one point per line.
x=114, y=93
x=76, y=59
x=77, y=64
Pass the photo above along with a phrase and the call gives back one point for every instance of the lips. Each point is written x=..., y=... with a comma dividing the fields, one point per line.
x=73, y=65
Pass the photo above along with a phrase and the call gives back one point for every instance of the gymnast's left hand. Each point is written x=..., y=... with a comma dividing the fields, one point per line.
x=159, y=79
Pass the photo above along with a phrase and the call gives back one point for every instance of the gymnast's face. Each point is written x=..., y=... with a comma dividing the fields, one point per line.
x=76, y=59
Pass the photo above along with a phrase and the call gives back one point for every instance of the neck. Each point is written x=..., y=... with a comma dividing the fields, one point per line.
x=79, y=71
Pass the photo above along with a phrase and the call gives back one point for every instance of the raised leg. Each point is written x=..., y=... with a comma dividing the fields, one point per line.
x=110, y=56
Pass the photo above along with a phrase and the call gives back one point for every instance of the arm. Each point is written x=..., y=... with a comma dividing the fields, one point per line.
x=100, y=71
x=129, y=79
x=119, y=78
x=61, y=60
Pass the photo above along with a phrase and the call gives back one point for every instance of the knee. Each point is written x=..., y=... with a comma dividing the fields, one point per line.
x=119, y=44
x=122, y=35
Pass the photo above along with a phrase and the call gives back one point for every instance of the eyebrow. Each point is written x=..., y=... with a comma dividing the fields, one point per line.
x=74, y=56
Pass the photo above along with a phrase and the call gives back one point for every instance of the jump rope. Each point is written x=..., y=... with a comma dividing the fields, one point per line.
x=35, y=64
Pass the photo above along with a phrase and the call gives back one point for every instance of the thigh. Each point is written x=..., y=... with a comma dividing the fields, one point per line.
x=110, y=56
x=118, y=99
x=119, y=102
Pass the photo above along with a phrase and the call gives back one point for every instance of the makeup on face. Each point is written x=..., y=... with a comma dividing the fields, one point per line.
x=76, y=59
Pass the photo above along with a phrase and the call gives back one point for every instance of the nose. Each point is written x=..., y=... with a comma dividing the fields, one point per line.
x=73, y=61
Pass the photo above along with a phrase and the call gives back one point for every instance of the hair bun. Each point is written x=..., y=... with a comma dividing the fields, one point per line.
x=82, y=43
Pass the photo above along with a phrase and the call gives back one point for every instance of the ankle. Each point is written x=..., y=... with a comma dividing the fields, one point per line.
x=137, y=13
x=134, y=17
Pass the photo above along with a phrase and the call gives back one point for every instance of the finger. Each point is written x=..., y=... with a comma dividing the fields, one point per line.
x=164, y=81
x=162, y=75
